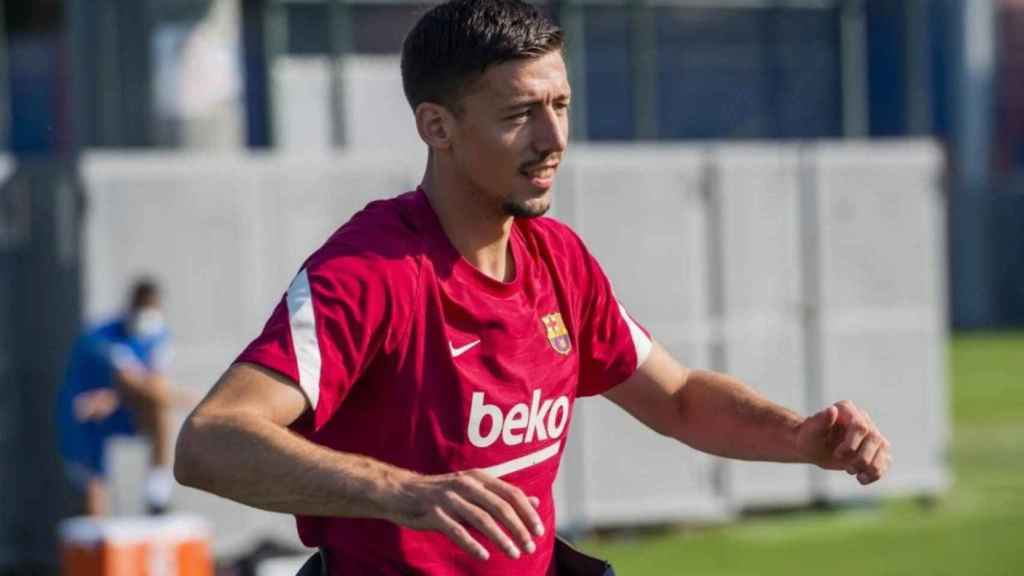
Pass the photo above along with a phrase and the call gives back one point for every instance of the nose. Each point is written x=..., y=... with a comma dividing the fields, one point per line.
x=551, y=133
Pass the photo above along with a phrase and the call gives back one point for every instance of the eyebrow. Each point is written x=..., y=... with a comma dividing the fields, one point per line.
x=525, y=102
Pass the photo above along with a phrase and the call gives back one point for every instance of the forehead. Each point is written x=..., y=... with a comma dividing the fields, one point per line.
x=528, y=79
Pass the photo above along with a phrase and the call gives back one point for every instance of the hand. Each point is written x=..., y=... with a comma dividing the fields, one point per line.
x=449, y=502
x=843, y=437
x=96, y=404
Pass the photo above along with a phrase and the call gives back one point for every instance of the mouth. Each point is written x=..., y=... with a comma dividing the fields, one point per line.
x=542, y=176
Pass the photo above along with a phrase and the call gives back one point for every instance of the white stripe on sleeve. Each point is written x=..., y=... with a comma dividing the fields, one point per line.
x=641, y=342
x=304, y=341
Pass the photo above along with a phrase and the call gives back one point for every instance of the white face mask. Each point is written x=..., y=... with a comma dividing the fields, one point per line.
x=147, y=323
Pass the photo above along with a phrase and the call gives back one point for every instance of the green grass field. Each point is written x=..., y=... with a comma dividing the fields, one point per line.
x=976, y=529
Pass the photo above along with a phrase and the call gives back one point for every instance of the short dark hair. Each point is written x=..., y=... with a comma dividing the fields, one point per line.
x=145, y=291
x=453, y=44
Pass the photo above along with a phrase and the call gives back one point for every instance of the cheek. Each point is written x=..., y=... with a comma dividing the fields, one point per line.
x=505, y=136
x=493, y=150
x=503, y=147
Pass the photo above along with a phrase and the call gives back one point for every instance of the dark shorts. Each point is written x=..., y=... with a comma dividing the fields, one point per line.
x=84, y=445
x=568, y=562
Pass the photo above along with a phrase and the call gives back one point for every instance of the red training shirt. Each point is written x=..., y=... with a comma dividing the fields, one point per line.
x=410, y=355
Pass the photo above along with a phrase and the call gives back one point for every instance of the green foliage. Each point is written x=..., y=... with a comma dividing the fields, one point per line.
x=975, y=529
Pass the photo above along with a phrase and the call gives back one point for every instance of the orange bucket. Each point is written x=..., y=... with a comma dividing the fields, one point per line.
x=158, y=546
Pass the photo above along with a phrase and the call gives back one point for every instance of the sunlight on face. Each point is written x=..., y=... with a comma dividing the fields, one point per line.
x=511, y=133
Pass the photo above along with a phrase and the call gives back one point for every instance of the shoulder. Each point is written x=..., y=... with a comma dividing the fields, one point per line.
x=104, y=333
x=379, y=245
x=549, y=237
x=109, y=343
x=107, y=329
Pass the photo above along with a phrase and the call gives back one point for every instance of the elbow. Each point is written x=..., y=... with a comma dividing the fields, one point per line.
x=679, y=426
x=670, y=422
x=187, y=467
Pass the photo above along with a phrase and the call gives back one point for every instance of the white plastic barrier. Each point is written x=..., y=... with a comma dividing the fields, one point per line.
x=876, y=279
x=224, y=235
x=373, y=112
x=303, y=120
x=199, y=225
x=813, y=273
x=757, y=296
x=642, y=213
x=377, y=115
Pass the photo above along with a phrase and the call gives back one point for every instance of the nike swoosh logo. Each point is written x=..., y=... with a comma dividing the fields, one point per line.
x=456, y=352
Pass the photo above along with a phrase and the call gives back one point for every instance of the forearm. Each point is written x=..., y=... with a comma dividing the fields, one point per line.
x=151, y=388
x=721, y=415
x=256, y=462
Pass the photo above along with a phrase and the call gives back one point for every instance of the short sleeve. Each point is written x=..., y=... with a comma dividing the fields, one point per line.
x=612, y=344
x=161, y=357
x=326, y=329
x=120, y=356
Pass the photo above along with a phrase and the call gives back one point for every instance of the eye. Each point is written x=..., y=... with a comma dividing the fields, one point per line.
x=519, y=115
x=562, y=106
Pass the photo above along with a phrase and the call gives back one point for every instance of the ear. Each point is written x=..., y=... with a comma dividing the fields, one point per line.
x=435, y=125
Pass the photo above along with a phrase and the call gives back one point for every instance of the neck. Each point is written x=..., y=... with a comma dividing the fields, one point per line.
x=478, y=230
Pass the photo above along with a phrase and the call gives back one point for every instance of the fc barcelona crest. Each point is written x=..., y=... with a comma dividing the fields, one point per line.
x=557, y=334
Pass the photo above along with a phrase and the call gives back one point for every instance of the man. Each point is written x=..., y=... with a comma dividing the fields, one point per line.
x=116, y=385
x=409, y=397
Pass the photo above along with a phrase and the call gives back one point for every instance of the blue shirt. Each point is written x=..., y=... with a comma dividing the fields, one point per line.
x=95, y=359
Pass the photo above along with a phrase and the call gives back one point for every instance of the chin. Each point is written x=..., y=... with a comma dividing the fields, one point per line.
x=531, y=208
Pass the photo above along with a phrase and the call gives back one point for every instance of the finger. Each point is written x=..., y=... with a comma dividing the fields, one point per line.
x=459, y=535
x=478, y=518
x=867, y=418
x=502, y=503
x=526, y=510
x=868, y=477
x=880, y=463
x=824, y=420
x=852, y=439
x=862, y=462
x=846, y=412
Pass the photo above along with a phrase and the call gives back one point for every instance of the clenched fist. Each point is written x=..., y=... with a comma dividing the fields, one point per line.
x=843, y=437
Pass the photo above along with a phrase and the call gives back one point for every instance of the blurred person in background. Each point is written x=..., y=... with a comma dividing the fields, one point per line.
x=409, y=396
x=116, y=384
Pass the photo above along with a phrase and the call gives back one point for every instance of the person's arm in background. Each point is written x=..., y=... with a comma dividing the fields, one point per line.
x=134, y=384
x=721, y=415
x=237, y=444
x=139, y=383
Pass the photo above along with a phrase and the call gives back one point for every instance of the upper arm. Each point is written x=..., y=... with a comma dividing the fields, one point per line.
x=649, y=395
x=250, y=389
x=337, y=316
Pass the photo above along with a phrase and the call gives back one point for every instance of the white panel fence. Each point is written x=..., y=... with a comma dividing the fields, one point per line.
x=815, y=273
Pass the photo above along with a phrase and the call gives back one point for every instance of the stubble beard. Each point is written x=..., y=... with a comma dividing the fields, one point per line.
x=522, y=209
